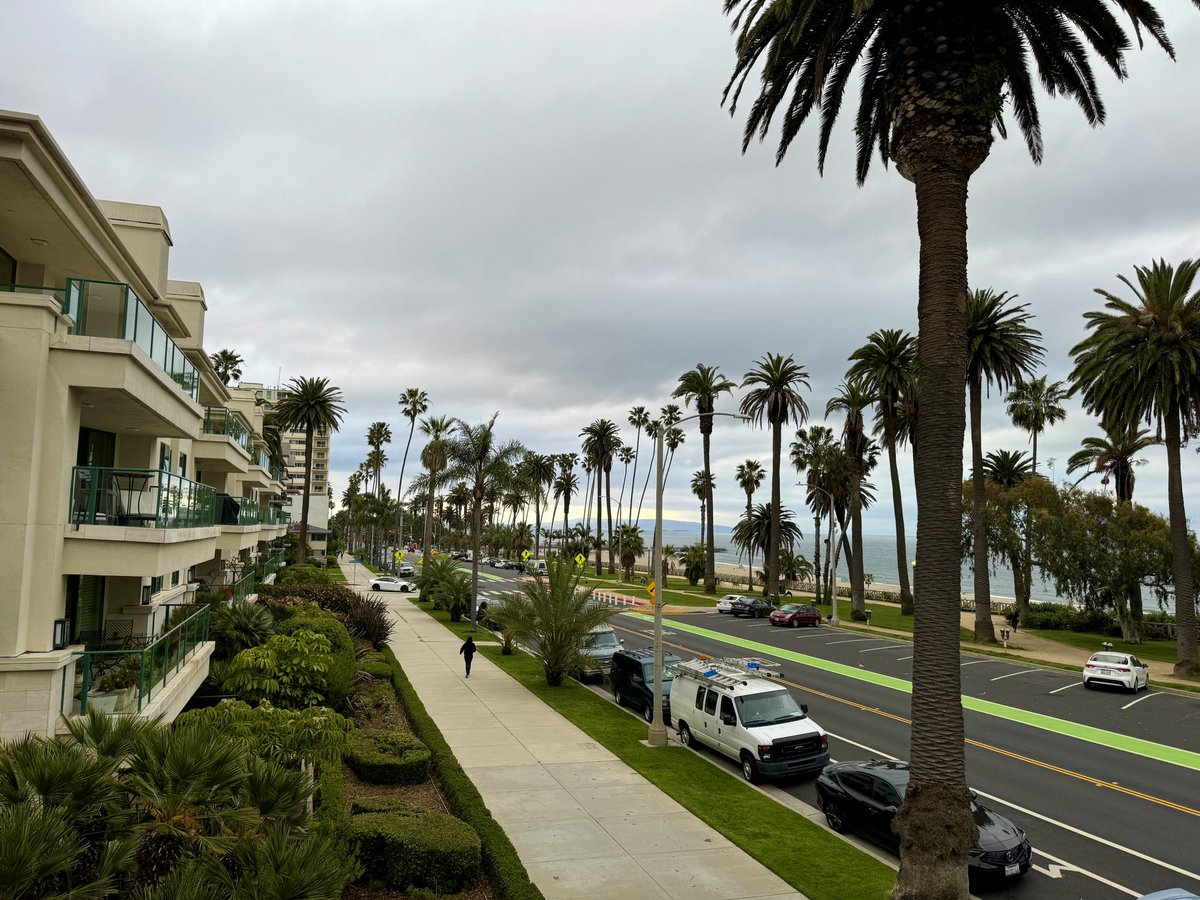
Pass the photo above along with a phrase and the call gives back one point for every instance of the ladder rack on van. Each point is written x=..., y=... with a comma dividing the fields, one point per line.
x=728, y=671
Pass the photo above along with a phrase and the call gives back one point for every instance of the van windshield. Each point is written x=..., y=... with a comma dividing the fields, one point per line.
x=600, y=640
x=648, y=673
x=773, y=708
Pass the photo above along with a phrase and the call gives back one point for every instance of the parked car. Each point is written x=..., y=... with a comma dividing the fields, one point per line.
x=754, y=607
x=458, y=554
x=1171, y=894
x=736, y=708
x=726, y=602
x=1119, y=669
x=597, y=651
x=499, y=562
x=633, y=681
x=390, y=583
x=795, y=615
x=405, y=570
x=864, y=796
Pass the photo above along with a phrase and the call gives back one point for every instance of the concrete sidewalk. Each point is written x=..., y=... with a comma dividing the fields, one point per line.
x=584, y=824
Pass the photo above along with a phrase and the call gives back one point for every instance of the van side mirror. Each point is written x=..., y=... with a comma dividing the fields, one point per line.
x=622, y=640
x=804, y=708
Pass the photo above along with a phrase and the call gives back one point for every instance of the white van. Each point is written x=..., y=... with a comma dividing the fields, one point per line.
x=536, y=567
x=732, y=706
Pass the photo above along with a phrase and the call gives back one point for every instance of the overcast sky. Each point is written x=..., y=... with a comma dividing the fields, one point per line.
x=540, y=208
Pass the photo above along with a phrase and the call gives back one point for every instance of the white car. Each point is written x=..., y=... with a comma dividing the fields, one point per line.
x=1120, y=669
x=725, y=604
x=405, y=570
x=390, y=583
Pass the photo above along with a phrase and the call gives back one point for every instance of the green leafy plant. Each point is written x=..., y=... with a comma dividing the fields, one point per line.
x=289, y=670
x=340, y=677
x=288, y=736
x=127, y=674
x=387, y=757
x=368, y=619
x=240, y=625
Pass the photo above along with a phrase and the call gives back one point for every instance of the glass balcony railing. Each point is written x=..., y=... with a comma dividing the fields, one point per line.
x=126, y=681
x=273, y=515
x=111, y=309
x=261, y=458
x=244, y=588
x=57, y=293
x=278, y=474
x=249, y=512
x=146, y=498
x=218, y=420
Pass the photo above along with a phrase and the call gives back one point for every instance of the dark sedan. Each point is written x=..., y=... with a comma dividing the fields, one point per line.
x=795, y=615
x=863, y=796
x=754, y=607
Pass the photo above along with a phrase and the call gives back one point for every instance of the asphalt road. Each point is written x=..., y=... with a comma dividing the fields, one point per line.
x=1105, y=821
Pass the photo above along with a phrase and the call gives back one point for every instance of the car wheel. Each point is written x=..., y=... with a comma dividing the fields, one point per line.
x=405, y=590
x=795, y=623
x=1133, y=688
x=648, y=714
x=1087, y=684
x=749, y=768
x=685, y=735
x=835, y=818
x=374, y=587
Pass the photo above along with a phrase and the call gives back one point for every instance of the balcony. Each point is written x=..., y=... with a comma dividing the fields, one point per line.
x=155, y=680
x=223, y=443
x=127, y=521
x=240, y=520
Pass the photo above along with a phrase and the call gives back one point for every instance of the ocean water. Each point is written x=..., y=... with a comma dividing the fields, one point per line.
x=879, y=561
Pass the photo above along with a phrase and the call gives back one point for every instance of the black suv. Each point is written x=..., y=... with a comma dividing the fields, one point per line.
x=632, y=677
x=754, y=607
x=863, y=797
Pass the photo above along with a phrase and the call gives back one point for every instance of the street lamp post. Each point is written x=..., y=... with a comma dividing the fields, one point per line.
x=833, y=616
x=658, y=728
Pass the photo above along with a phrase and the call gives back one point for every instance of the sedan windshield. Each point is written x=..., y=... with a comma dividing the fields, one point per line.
x=790, y=607
x=768, y=709
x=600, y=640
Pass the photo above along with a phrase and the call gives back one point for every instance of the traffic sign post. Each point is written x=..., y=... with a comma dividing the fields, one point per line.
x=650, y=590
x=525, y=554
x=580, y=561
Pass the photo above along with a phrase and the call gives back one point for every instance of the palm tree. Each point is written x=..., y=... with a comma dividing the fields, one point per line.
x=702, y=487
x=774, y=398
x=749, y=477
x=935, y=80
x=652, y=431
x=1007, y=468
x=566, y=486
x=1001, y=349
x=413, y=402
x=476, y=457
x=601, y=441
x=1034, y=405
x=433, y=457
x=852, y=400
x=632, y=544
x=1113, y=456
x=702, y=386
x=1141, y=361
x=308, y=404
x=754, y=530
x=378, y=434
x=540, y=470
x=810, y=457
x=885, y=365
x=228, y=364
x=639, y=419
x=625, y=455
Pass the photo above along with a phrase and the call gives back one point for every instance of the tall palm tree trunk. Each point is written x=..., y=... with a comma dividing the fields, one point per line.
x=400, y=489
x=608, y=499
x=599, y=522
x=710, y=563
x=817, y=556
x=985, y=631
x=566, y=521
x=937, y=797
x=427, y=536
x=476, y=531
x=703, y=508
x=641, y=499
x=637, y=441
x=750, y=545
x=1181, y=555
x=302, y=547
x=537, y=533
x=858, y=598
x=889, y=438
x=773, y=538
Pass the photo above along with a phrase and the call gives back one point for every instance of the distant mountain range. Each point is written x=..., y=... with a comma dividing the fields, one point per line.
x=647, y=525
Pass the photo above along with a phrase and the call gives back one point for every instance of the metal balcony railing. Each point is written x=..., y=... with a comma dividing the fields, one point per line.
x=218, y=420
x=111, y=309
x=146, y=498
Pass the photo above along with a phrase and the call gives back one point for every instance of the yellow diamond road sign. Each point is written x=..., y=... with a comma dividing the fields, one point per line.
x=650, y=590
x=580, y=560
x=399, y=555
x=525, y=554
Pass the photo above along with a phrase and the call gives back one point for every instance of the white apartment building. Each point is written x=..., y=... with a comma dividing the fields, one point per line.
x=129, y=474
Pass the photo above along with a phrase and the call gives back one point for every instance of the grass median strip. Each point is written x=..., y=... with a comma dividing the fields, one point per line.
x=1186, y=758
x=812, y=860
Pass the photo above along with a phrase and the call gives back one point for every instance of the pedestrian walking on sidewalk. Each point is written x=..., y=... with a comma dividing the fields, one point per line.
x=468, y=651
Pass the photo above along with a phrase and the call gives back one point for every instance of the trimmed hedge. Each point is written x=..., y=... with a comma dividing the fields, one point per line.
x=341, y=671
x=387, y=757
x=329, y=801
x=379, y=805
x=332, y=597
x=411, y=847
x=371, y=699
x=500, y=859
x=377, y=669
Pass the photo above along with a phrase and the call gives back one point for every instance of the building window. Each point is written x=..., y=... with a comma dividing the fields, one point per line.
x=183, y=464
x=156, y=584
x=175, y=578
x=164, y=458
x=8, y=269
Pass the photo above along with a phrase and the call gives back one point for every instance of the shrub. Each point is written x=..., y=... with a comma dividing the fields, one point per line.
x=372, y=699
x=240, y=625
x=289, y=670
x=500, y=858
x=340, y=680
x=414, y=847
x=1061, y=617
x=387, y=757
x=376, y=668
x=367, y=618
x=306, y=574
x=331, y=597
x=329, y=801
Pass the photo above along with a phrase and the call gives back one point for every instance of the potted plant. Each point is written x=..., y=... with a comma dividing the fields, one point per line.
x=117, y=691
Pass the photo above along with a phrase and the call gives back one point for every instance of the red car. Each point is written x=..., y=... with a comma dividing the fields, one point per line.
x=796, y=614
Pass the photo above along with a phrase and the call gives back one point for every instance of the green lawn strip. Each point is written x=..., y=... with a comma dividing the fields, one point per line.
x=461, y=628
x=810, y=859
x=1185, y=758
x=1158, y=651
x=500, y=859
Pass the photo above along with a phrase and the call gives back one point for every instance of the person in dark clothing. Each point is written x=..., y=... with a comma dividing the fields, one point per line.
x=1014, y=617
x=468, y=652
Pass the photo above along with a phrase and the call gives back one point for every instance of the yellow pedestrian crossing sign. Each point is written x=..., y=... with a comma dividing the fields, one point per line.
x=525, y=554
x=399, y=555
x=650, y=590
x=580, y=561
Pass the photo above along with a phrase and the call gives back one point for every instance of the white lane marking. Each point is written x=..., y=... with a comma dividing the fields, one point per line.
x=1065, y=686
x=976, y=662
x=902, y=658
x=1055, y=822
x=1058, y=866
x=1144, y=696
x=851, y=641
x=1014, y=674
x=885, y=647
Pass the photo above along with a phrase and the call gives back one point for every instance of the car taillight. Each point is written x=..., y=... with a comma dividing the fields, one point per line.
x=1089, y=666
x=1122, y=669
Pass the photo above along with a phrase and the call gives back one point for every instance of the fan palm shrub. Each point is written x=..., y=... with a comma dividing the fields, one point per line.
x=239, y=625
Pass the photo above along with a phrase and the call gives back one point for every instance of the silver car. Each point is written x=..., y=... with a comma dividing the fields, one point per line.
x=725, y=604
x=390, y=583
